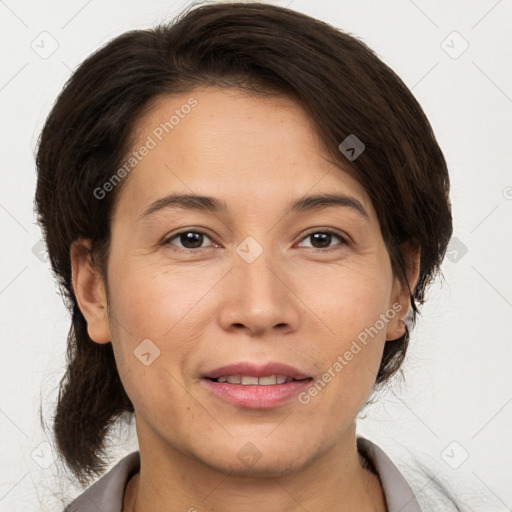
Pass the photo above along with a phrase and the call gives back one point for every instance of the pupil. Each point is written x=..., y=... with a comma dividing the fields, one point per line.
x=321, y=237
x=194, y=240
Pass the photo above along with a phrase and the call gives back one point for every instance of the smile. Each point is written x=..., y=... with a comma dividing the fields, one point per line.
x=255, y=386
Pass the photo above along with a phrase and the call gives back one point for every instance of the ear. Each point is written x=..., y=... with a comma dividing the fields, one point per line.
x=400, y=300
x=89, y=291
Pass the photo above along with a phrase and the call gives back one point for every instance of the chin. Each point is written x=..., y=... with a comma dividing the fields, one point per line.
x=261, y=457
x=275, y=467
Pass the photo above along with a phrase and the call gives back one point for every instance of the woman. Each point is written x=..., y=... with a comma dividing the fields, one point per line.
x=244, y=208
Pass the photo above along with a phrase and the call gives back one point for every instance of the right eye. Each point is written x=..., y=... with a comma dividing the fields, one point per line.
x=189, y=240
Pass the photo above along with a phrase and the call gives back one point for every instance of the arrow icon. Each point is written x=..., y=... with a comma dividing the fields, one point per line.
x=249, y=252
x=352, y=147
x=457, y=249
x=249, y=454
x=454, y=45
x=146, y=352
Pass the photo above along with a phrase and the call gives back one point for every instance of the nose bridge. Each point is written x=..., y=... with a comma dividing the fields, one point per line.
x=260, y=298
x=257, y=269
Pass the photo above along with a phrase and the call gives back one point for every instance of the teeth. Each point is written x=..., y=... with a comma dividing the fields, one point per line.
x=249, y=380
x=267, y=381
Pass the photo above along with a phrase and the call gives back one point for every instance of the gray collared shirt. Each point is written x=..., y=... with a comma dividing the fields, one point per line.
x=107, y=493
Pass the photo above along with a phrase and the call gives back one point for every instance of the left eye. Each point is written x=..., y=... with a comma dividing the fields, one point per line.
x=322, y=239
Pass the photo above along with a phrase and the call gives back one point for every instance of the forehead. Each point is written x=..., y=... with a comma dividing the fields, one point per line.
x=230, y=144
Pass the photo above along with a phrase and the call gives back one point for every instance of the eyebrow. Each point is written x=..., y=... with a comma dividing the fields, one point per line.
x=214, y=205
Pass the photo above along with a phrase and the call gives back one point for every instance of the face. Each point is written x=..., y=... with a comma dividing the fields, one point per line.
x=258, y=278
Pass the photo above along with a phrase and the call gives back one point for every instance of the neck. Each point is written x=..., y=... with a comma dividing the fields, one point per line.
x=172, y=481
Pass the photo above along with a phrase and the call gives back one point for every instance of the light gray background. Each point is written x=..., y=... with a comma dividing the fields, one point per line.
x=456, y=400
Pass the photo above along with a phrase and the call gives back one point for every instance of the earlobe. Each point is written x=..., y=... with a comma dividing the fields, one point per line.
x=400, y=297
x=89, y=291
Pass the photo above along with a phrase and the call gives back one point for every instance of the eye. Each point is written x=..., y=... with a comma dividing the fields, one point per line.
x=189, y=239
x=323, y=239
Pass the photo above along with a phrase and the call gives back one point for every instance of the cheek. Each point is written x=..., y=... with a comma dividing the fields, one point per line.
x=348, y=297
x=157, y=318
x=155, y=301
x=352, y=305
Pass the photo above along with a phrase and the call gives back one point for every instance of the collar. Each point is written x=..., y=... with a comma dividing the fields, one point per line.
x=107, y=493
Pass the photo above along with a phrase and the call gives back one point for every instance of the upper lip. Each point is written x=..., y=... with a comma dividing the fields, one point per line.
x=255, y=370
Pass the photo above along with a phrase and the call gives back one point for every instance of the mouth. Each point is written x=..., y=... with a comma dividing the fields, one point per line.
x=251, y=380
x=254, y=386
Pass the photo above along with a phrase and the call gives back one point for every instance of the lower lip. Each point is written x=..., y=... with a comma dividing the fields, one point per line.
x=254, y=396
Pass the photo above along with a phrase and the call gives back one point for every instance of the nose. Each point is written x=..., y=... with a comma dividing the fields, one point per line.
x=259, y=298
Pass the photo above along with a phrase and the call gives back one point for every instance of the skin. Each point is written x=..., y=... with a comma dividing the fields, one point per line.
x=300, y=302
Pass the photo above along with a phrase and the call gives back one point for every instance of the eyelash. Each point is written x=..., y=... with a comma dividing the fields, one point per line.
x=343, y=240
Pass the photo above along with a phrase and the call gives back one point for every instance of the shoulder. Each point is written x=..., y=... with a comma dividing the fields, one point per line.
x=399, y=495
x=401, y=490
x=107, y=493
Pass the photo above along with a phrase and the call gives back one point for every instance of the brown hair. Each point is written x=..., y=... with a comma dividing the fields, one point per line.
x=341, y=84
